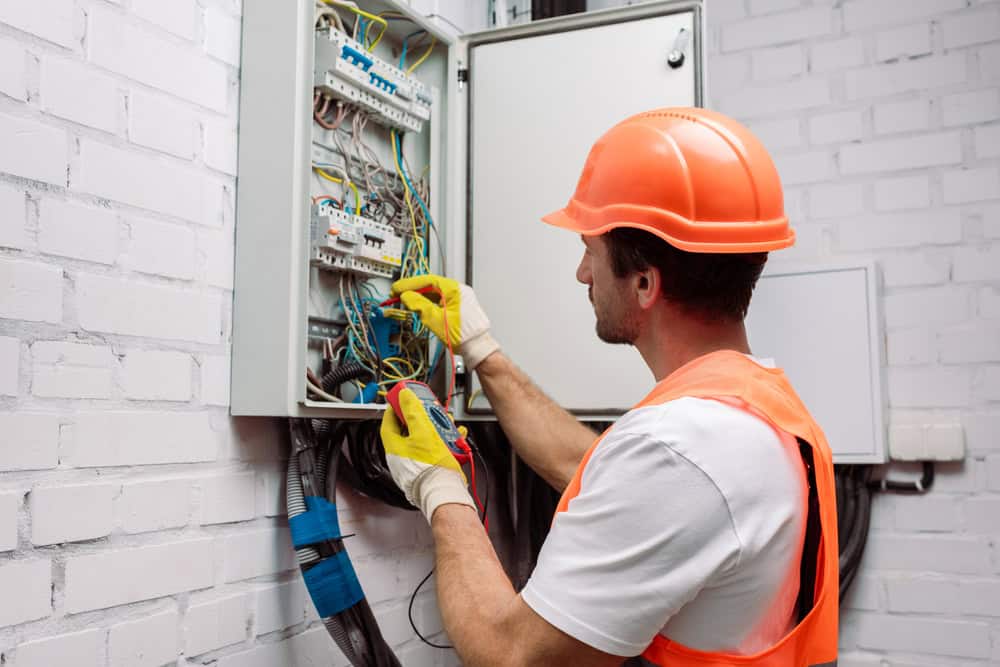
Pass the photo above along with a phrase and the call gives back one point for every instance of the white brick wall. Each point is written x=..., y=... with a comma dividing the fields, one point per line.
x=139, y=523
x=904, y=97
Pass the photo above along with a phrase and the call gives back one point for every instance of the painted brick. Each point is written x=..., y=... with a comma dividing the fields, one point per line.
x=215, y=623
x=71, y=370
x=987, y=141
x=35, y=445
x=778, y=134
x=312, y=647
x=28, y=582
x=836, y=201
x=835, y=55
x=109, y=578
x=912, y=40
x=977, y=264
x=84, y=649
x=256, y=553
x=109, y=438
x=216, y=251
x=10, y=505
x=969, y=108
x=970, y=28
x=729, y=73
x=938, y=387
x=925, y=595
x=154, y=375
x=10, y=365
x=906, y=192
x=215, y=380
x=982, y=432
x=119, y=306
x=179, y=17
x=915, y=269
x=751, y=101
x=901, y=231
x=936, y=305
x=33, y=150
x=51, y=20
x=981, y=516
x=769, y=6
x=280, y=606
x=989, y=304
x=920, y=635
x=147, y=642
x=81, y=232
x=919, y=514
x=220, y=145
x=66, y=83
x=271, y=489
x=154, y=505
x=862, y=14
x=12, y=218
x=981, y=598
x=163, y=124
x=865, y=593
x=781, y=62
x=909, y=75
x=777, y=29
x=839, y=127
x=13, y=76
x=970, y=344
x=227, y=498
x=804, y=167
x=118, y=45
x=967, y=185
x=902, y=116
x=929, y=553
x=909, y=346
x=909, y=153
x=989, y=62
x=70, y=513
x=993, y=472
x=30, y=291
x=222, y=35
x=161, y=248
x=144, y=181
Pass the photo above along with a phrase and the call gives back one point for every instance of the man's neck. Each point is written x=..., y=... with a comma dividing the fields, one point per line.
x=670, y=342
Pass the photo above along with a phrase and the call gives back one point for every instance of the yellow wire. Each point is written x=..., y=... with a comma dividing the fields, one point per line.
x=422, y=58
x=409, y=204
x=371, y=17
x=354, y=188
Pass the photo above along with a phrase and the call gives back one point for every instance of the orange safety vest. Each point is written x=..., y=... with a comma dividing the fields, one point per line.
x=735, y=379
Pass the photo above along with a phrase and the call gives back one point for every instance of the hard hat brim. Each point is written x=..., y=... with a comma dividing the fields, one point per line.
x=590, y=225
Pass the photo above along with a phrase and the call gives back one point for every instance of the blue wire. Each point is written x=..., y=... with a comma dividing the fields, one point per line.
x=413, y=190
x=402, y=55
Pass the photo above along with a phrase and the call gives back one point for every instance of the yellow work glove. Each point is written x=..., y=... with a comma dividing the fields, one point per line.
x=460, y=320
x=421, y=464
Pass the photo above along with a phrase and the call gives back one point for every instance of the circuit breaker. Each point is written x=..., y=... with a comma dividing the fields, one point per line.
x=374, y=145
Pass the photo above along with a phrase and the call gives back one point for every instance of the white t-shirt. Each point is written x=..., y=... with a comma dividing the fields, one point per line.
x=689, y=523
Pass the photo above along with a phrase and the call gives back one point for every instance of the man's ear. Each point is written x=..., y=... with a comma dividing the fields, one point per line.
x=647, y=287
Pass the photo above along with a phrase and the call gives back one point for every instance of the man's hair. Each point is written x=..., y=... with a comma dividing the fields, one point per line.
x=714, y=287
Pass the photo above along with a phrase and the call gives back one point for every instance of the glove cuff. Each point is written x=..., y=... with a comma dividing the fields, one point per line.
x=440, y=486
x=476, y=349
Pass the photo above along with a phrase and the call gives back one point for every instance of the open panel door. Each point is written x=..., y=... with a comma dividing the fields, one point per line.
x=538, y=98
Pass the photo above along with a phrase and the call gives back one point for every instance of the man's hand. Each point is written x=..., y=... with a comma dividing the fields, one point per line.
x=452, y=312
x=420, y=462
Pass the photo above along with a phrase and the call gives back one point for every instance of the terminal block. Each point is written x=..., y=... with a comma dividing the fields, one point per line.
x=344, y=242
x=346, y=71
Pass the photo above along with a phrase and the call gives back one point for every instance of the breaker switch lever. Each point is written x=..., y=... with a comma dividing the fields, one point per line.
x=676, y=56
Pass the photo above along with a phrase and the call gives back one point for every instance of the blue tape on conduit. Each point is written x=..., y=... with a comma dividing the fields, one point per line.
x=332, y=585
x=318, y=523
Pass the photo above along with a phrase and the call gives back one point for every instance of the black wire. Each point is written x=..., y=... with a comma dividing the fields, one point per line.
x=413, y=597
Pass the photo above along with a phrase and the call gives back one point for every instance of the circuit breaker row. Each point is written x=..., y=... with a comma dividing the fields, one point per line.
x=347, y=71
x=345, y=242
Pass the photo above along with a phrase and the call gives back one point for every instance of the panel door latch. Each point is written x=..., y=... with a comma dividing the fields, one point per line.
x=676, y=56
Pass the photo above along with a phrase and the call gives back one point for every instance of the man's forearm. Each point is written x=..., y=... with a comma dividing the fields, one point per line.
x=549, y=439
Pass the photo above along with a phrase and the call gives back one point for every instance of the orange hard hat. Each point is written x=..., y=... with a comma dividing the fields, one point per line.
x=696, y=178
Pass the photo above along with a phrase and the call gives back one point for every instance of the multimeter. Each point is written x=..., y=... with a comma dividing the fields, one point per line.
x=442, y=421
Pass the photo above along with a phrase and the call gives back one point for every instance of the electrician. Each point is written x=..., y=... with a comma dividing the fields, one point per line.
x=700, y=530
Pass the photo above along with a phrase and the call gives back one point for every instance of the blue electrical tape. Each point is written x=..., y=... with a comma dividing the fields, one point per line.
x=332, y=585
x=318, y=523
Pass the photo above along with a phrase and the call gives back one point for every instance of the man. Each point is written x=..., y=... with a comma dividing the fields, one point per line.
x=700, y=530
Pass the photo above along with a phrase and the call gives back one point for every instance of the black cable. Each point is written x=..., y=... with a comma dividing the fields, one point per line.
x=922, y=485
